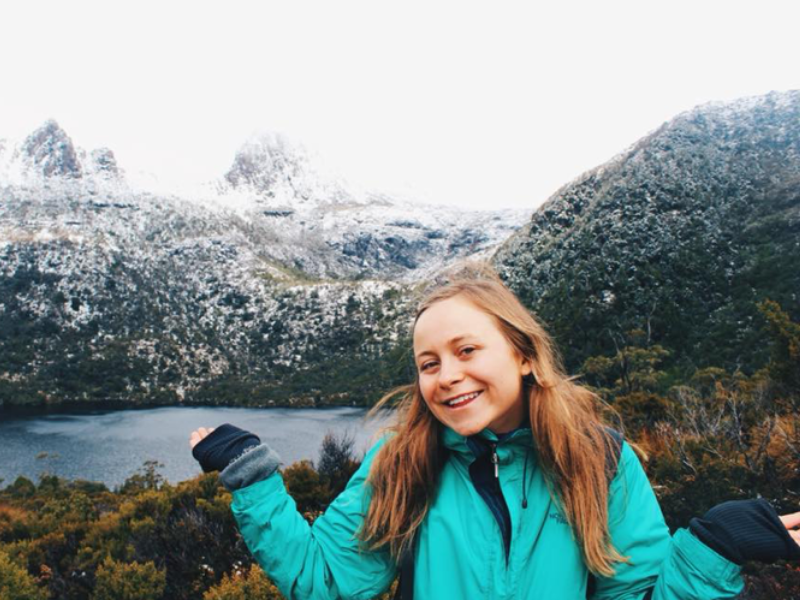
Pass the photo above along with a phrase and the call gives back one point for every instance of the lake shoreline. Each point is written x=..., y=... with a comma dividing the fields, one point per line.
x=93, y=406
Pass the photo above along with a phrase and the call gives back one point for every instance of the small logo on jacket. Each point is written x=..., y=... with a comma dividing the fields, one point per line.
x=558, y=517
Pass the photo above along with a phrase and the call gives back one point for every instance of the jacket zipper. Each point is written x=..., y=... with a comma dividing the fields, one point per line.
x=496, y=463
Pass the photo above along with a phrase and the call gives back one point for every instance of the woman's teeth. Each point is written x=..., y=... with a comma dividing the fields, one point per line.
x=462, y=399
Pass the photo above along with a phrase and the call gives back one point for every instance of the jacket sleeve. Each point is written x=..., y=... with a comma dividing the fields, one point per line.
x=669, y=568
x=323, y=561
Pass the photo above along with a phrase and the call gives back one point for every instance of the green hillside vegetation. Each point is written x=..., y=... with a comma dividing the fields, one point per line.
x=682, y=237
x=343, y=365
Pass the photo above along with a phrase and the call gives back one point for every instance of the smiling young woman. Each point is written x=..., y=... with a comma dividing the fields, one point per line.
x=498, y=480
x=470, y=376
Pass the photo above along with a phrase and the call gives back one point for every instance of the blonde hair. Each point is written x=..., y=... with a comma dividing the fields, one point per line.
x=571, y=440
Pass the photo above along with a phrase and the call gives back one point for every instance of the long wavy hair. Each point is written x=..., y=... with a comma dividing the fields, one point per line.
x=570, y=438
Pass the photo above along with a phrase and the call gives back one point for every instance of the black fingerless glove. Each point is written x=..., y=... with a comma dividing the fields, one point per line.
x=743, y=530
x=222, y=446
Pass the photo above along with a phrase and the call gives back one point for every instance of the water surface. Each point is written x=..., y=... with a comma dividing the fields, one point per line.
x=110, y=445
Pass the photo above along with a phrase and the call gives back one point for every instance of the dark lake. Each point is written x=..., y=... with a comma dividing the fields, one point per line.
x=111, y=445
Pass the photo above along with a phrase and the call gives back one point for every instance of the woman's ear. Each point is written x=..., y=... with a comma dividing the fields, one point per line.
x=526, y=368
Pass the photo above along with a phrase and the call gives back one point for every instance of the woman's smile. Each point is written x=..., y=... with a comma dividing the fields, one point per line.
x=462, y=400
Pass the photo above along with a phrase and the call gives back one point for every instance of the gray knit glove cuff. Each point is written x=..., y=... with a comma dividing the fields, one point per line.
x=256, y=464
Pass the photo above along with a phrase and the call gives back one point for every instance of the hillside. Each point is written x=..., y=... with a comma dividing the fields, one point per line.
x=679, y=237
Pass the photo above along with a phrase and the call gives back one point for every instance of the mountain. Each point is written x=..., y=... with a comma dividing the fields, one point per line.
x=679, y=237
x=326, y=230
x=276, y=286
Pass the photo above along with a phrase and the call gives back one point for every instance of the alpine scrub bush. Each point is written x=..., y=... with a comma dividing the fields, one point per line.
x=16, y=583
x=128, y=581
x=250, y=584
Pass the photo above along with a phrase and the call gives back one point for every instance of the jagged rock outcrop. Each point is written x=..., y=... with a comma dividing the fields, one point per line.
x=680, y=236
x=50, y=152
x=271, y=165
x=104, y=162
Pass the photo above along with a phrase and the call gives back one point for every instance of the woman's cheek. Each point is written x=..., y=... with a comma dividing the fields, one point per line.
x=423, y=389
x=428, y=395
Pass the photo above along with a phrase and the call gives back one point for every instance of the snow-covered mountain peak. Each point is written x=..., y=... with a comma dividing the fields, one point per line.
x=49, y=151
x=277, y=173
x=48, y=157
x=266, y=161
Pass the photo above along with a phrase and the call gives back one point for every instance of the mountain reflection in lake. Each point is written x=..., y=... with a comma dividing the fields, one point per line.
x=110, y=446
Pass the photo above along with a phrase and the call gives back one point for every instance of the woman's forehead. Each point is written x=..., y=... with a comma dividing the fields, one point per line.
x=452, y=320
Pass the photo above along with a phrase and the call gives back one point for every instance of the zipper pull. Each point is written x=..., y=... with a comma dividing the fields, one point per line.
x=495, y=461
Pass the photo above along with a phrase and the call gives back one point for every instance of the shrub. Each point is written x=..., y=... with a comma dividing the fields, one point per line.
x=305, y=486
x=16, y=583
x=336, y=463
x=21, y=488
x=244, y=585
x=132, y=581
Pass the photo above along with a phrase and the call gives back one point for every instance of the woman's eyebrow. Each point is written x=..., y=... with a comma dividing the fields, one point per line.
x=450, y=342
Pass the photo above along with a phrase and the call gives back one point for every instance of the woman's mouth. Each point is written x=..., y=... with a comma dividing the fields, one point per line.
x=461, y=401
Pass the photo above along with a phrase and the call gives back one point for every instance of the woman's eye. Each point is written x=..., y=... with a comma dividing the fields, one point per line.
x=427, y=365
x=467, y=350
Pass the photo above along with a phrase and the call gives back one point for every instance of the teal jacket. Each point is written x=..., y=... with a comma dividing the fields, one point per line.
x=461, y=553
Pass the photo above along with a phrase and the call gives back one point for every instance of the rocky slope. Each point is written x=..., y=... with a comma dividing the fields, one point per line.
x=275, y=287
x=680, y=237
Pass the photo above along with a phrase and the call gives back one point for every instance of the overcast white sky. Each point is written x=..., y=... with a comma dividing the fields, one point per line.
x=491, y=104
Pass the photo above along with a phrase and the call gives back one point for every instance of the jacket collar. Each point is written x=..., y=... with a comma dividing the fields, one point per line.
x=479, y=444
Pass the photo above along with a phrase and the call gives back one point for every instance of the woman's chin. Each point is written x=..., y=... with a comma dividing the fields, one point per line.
x=466, y=429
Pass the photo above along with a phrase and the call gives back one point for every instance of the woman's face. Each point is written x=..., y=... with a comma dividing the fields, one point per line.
x=469, y=375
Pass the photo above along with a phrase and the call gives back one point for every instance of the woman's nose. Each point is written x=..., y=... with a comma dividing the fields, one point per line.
x=450, y=373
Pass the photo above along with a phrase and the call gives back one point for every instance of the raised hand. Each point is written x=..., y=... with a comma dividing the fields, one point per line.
x=197, y=436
